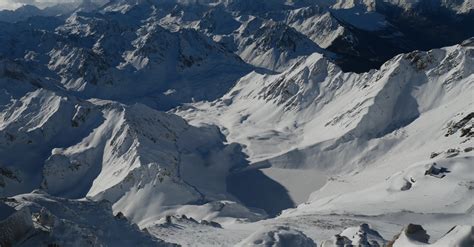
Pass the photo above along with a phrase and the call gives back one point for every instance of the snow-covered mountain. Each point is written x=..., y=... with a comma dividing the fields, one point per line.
x=290, y=100
x=110, y=151
x=237, y=122
x=49, y=9
x=364, y=34
x=97, y=55
x=361, y=131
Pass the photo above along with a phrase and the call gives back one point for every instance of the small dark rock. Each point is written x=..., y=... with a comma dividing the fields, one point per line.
x=168, y=219
x=211, y=223
x=120, y=215
x=416, y=232
x=193, y=220
x=433, y=155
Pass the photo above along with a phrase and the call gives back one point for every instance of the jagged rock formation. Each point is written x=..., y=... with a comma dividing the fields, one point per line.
x=55, y=221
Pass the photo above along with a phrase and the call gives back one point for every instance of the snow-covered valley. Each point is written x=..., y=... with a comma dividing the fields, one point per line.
x=237, y=123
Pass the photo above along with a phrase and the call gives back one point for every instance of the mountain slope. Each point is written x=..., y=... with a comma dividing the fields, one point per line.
x=306, y=117
x=114, y=152
x=267, y=137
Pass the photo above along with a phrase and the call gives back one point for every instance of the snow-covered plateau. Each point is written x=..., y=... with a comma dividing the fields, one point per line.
x=237, y=123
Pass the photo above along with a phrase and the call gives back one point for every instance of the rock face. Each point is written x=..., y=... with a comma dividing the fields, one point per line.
x=465, y=125
x=272, y=45
x=14, y=225
x=46, y=220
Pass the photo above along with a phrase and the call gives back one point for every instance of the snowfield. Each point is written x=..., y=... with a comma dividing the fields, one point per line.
x=237, y=123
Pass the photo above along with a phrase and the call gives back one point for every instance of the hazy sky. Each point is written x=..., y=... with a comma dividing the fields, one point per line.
x=13, y=4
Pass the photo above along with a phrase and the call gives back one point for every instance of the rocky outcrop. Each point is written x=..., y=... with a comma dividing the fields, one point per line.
x=15, y=225
x=277, y=236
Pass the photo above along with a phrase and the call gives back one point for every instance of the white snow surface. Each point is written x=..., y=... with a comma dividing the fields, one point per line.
x=264, y=142
x=457, y=236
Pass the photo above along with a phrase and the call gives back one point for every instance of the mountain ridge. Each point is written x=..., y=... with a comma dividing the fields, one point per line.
x=237, y=122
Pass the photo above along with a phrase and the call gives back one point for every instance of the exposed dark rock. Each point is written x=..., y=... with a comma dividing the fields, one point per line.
x=417, y=232
x=436, y=172
x=211, y=223
x=433, y=155
x=454, y=127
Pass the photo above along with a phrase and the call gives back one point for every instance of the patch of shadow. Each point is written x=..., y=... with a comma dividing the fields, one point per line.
x=405, y=111
x=254, y=189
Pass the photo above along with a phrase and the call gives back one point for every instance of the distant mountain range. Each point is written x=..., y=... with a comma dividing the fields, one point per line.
x=201, y=122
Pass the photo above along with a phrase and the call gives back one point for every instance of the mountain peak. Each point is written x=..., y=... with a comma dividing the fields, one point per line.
x=236, y=122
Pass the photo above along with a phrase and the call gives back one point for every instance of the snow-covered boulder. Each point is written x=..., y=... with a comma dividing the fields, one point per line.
x=362, y=235
x=277, y=236
x=415, y=235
